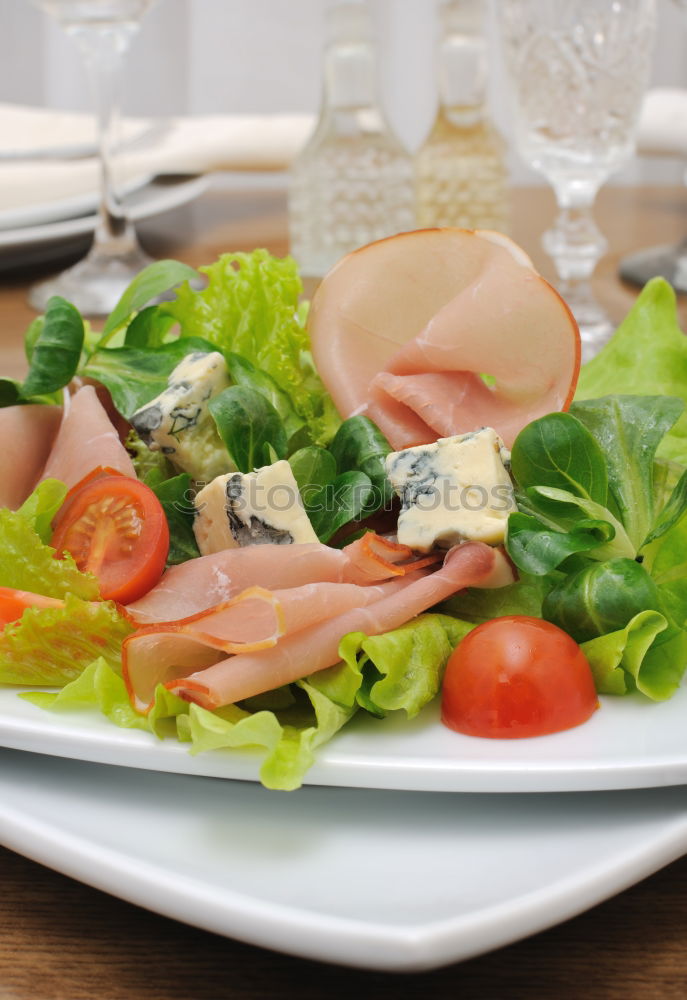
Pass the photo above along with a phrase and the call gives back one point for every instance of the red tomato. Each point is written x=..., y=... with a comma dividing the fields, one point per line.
x=517, y=676
x=115, y=528
x=13, y=604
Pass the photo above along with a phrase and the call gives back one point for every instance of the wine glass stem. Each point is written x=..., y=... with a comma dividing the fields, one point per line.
x=575, y=242
x=104, y=54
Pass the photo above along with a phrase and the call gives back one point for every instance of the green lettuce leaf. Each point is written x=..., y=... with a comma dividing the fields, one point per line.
x=647, y=356
x=287, y=739
x=616, y=658
x=52, y=646
x=26, y=563
x=402, y=669
x=41, y=506
x=251, y=307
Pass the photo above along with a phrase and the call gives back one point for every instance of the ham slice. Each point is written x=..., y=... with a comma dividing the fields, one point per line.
x=27, y=434
x=210, y=580
x=471, y=564
x=256, y=619
x=403, y=329
x=86, y=439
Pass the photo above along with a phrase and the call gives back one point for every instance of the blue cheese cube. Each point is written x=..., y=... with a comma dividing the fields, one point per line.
x=455, y=489
x=255, y=508
x=178, y=422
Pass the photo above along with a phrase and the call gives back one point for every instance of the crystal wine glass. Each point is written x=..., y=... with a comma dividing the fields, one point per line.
x=579, y=70
x=102, y=30
x=668, y=261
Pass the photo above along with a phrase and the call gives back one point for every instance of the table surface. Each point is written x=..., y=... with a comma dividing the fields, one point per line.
x=60, y=939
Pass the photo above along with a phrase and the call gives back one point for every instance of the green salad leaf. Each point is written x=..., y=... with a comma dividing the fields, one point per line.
x=647, y=356
x=40, y=507
x=52, y=646
x=27, y=563
x=154, y=280
x=249, y=426
x=56, y=349
x=251, y=307
x=136, y=375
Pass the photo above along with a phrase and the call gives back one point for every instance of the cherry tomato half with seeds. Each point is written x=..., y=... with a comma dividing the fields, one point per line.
x=115, y=527
x=514, y=677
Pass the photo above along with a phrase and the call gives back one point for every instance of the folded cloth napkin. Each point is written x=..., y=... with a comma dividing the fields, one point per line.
x=663, y=123
x=189, y=145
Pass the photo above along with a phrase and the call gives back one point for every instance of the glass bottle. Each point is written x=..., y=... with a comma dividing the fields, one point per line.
x=353, y=181
x=460, y=170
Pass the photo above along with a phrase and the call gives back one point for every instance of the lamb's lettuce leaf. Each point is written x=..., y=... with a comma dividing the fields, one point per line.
x=629, y=430
x=136, y=375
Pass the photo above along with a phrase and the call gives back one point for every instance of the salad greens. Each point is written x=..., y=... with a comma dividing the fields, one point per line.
x=599, y=538
x=589, y=523
x=647, y=356
x=288, y=724
x=346, y=482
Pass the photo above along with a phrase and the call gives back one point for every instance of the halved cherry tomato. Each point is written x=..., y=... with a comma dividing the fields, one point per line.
x=115, y=527
x=13, y=604
x=517, y=676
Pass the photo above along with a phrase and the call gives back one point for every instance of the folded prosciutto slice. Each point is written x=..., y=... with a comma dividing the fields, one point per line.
x=256, y=619
x=404, y=329
x=86, y=439
x=471, y=564
x=205, y=582
x=27, y=434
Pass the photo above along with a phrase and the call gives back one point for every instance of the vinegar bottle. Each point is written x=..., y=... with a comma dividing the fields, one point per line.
x=460, y=170
x=353, y=182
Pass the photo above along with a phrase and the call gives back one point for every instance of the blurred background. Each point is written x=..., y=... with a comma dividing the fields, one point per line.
x=264, y=56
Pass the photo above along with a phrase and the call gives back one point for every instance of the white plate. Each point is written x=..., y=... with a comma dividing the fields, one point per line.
x=392, y=881
x=35, y=244
x=45, y=212
x=628, y=743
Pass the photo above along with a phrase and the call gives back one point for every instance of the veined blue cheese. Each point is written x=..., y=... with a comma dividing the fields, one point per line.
x=253, y=508
x=455, y=489
x=178, y=422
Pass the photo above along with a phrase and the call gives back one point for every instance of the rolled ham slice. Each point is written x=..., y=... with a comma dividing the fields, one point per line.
x=256, y=619
x=403, y=329
x=86, y=439
x=27, y=434
x=471, y=564
x=208, y=581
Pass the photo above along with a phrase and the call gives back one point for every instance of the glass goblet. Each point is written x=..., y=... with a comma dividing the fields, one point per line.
x=670, y=262
x=103, y=30
x=578, y=70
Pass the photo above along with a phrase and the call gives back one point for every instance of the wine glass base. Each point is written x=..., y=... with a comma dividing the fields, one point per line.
x=669, y=262
x=94, y=285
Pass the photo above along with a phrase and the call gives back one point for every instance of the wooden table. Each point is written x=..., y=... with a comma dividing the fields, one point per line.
x=60, y=940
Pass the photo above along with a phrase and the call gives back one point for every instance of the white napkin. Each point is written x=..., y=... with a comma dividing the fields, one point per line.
x=663, y=123
x=191, y=145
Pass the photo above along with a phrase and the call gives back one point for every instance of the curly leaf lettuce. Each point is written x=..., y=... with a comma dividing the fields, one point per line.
x=399, y=670
x=251, y=307
x=27, y=563
x=647, y=356
x=52, y=646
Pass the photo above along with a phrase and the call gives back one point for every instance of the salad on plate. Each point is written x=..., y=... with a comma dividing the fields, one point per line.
x=237, y=520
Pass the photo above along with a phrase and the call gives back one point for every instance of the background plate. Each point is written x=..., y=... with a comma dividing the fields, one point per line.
x=628, y=743
x=32, y=245
x=392, y=881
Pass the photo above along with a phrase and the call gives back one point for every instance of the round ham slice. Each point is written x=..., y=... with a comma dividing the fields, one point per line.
x=404, y=329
